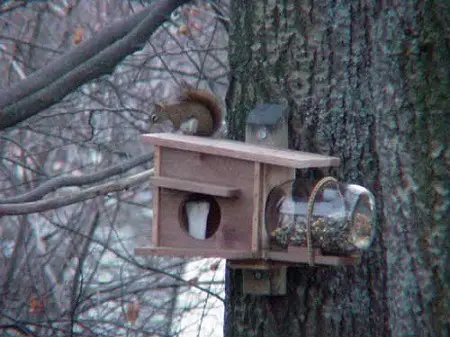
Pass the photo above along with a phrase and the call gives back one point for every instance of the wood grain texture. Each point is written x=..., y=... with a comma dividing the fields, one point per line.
x=273, y=176
x=194, y=252
x=240, y=150
x=300, y=255
x=196, y=187
x=156, y=196
x=257, y=208
x=234, y=231
x=366, y=81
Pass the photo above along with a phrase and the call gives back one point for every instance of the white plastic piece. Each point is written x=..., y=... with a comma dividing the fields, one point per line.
x=197, y=214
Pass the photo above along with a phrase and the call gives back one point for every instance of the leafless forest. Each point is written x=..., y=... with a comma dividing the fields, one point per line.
x=79, y=81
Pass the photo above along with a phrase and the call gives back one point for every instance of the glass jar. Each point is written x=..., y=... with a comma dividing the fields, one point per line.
x=340, y=216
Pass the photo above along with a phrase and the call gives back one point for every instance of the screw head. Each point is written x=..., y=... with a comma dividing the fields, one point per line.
x=258, y=275
x=262, y=133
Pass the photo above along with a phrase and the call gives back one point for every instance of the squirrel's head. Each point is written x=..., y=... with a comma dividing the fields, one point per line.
x=160, y=121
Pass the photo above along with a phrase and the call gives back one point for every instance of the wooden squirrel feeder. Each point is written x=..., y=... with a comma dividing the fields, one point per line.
x=223, y=198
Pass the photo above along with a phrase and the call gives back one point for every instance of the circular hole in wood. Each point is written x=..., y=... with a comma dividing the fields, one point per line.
x=199, y=215
x=272, y=211
x=289, y=193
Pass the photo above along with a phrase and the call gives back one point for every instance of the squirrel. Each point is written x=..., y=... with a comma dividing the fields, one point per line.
x=194, y=112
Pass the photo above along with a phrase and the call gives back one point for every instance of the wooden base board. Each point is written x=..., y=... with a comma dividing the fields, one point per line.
x=297, y=254
x=260, y=261
x=190, y=252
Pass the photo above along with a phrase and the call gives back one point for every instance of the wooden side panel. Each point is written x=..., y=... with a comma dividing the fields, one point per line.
x=273, y=176
x=257, y=207
x=156, y=196
x=235, y=228
x=276, y=175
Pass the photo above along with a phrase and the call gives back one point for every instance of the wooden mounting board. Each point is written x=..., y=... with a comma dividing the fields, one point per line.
x=240, y=150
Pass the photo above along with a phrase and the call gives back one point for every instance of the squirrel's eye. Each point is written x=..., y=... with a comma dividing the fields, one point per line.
x=154, y=118
x=175, y=15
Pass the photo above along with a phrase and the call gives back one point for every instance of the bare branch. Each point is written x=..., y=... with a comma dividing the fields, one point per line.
x=12, y=265
x=150, y=267
x=65, y=181
x=31, y=44
x=70, y=60
x=48, y=270
x=81, y=65
x=19, y=327
x=93, y=225
x=89, y=193
x=12, y=5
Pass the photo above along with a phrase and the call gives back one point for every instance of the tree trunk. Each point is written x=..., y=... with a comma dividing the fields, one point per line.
x=366, y=81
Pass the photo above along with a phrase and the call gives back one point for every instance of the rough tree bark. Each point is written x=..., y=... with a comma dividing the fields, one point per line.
x=366, y=81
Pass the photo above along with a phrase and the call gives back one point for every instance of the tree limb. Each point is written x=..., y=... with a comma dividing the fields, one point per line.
x=89, y=193
x=65, y=181
x=76, y=287
x=20, y=328
x=70, y=71
x=10, y=6
x=134, y=261
x=12, y=264
x=70, y=60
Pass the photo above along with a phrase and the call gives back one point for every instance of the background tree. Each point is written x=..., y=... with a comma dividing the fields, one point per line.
x=366, y=81
x=79, y=79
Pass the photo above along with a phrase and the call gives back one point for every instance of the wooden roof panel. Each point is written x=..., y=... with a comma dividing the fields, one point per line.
x=241, y=150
